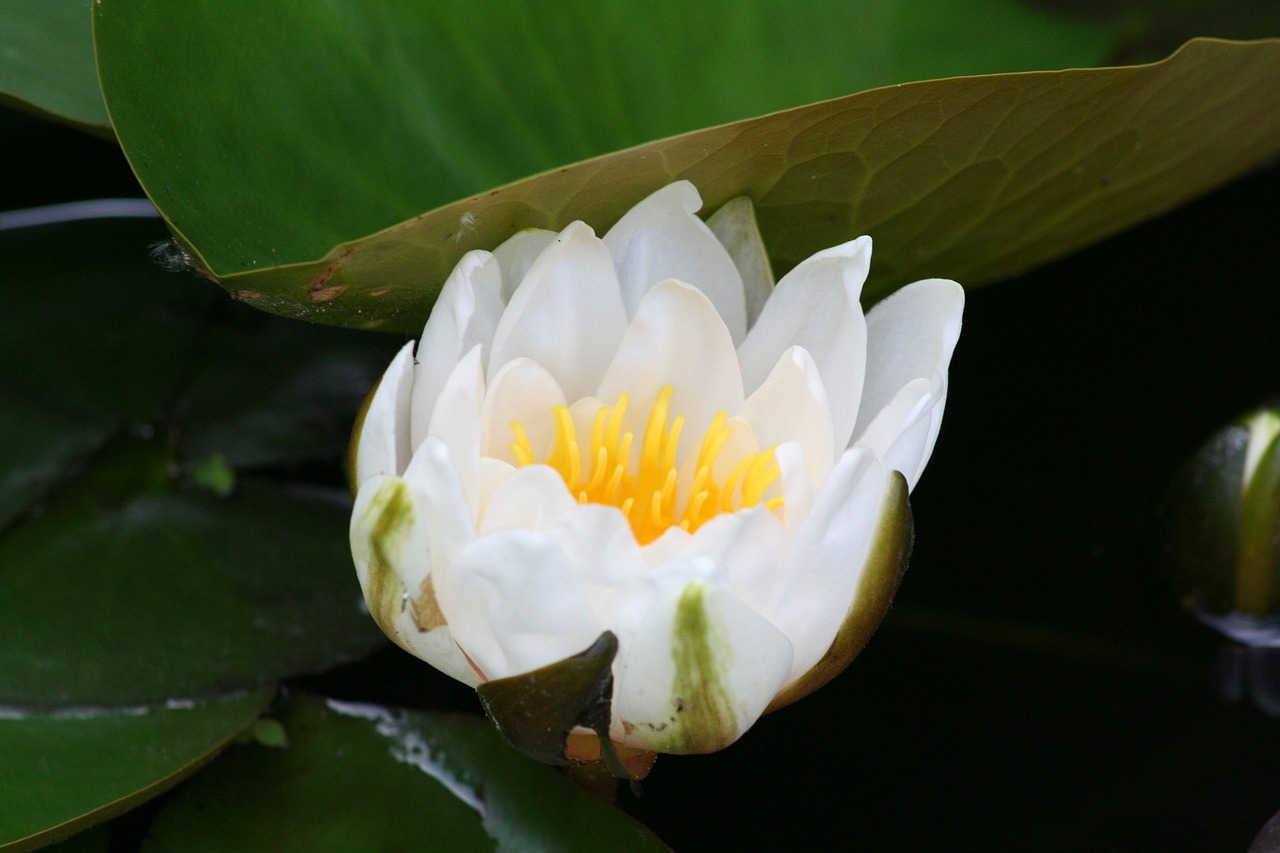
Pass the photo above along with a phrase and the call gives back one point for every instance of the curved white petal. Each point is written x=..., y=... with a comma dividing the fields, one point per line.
x=660, y=238
x=676, y=338
x=389, y=544
x=700, y=669
x=465, y=315
x=798, y=491
x=815, y=306
x=517, y=254
x=734, y=225
x=522, y=390
x=384, y=436
x=791, y=405
x=450, y=521
x=515, y=603
x=456, y=423
x=567, y=313
x=828, y=557
x=751, y=547
x=606, y=557
x=901, y=434
x=910, y=335
x=530, y=499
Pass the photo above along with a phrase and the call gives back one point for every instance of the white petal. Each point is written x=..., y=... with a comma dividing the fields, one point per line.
x=676, y=338
x=530, y=499
x=518, y=253
x=910, y=335
x=815, y=306
x=389, y=544
x=798, y=490
x=791, y=405
x=829, y=556
x=450, y=521
x=514, y=603
x=734, y=225
x=901, y=434
x=384, y=446
x=660, y=238
x=456, y=423
x=567, y=313
x=751, y=546
x=599, y=541
x=465, y=314
x=699, y=671
x=522, y=390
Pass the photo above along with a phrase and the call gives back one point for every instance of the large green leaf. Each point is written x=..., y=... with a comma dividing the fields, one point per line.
x=177, y=595
x=46, y=61
x=265, y=144
x=122, y=581
x=77, y=766
x=361, y=777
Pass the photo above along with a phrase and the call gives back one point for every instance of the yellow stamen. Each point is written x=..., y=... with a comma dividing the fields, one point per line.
x=649, y=496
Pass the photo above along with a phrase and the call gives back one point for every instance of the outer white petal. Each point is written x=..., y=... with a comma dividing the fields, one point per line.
x=899, y=432
x=815, y=306
x=389, y=543
x=660, y=238
x=566, y=314
x=384, y=446
x=676, y=338
x=465, y=314
x=791, y=405
x=734, y=225
x=522, y=390
x=450, y=522
x=515, y=603
x=530, y=499
x=910, y=335
x=456, y=423
x=699, y=670
x=829, y=556
x=518, y=253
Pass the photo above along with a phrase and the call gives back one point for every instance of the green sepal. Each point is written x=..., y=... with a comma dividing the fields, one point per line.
x=535, y=712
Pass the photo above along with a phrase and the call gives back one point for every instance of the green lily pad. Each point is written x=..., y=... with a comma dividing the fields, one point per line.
x=172, y=594
x=362, y=777
x=46, y=62
x=264, y=146
x=74, y=767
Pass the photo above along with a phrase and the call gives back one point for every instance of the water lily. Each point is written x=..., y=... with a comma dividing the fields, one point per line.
x=641, y=436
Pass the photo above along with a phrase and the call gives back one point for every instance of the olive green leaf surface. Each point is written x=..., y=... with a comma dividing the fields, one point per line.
x=972, y=178
x=46, y=62
x=159, y=555
x=268, y=138
x=406, y=781
x=70, y=768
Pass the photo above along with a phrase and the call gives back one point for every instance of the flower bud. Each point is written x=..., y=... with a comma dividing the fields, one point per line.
x=1222, y=538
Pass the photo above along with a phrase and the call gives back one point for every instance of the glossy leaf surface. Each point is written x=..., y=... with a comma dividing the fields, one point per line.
x=386, y=116
x=361, y=777
x=46, y=61
x=77, y=766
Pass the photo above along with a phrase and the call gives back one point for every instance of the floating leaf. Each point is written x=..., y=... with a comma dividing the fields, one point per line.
x=74, y=767
x=266, y=146
x=46, y=62
x=178, y=595
x=361, y=777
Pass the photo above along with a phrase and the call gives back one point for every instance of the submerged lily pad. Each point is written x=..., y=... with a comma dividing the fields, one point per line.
x=362, y=777
x=74, y=767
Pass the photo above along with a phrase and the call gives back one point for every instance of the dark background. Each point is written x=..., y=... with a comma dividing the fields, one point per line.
x=1036, y=686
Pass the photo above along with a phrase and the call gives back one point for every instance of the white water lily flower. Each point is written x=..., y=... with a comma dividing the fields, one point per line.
x=641, y=435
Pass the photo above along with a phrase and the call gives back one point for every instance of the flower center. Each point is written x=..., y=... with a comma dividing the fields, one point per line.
x=649, y=496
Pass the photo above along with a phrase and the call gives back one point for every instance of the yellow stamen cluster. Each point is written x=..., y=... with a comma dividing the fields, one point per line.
x=648, y=496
